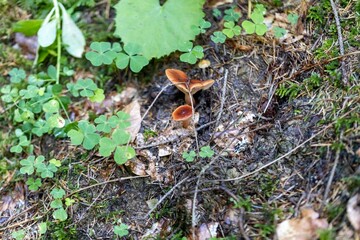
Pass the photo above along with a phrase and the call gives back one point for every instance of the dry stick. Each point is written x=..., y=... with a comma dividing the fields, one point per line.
x=153, y=102
x=164, y=197
x=341, y=43
x=283, y=156
x=193, y=121
x=105, y=182
x=222, y=97
x=332, y=173
x=20, y=223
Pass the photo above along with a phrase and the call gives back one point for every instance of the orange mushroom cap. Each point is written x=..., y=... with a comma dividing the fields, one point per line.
x=182, y=113
x=178, y=78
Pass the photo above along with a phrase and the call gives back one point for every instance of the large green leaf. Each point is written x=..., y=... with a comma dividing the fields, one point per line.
x=159, y=30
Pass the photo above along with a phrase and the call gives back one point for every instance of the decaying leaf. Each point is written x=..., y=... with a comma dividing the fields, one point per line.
x=353, y=212
x=13, y=202
x=133, y=109
x=217, y=3
x=207, y=231
x=305, y=228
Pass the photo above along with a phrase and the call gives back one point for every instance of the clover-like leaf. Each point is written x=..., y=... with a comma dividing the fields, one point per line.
x=51, y=106
x=17, y=75
x=18, y=235
x=56, y=162
x=47, y=171
x=57, y=193
x=260, y=9
x=137, y=62
x=192, y=56
x=121, y=230
x=123, y=153
x=40, y=127
x=71, y=88
x=57, y=203
x=206, y=151
x=27, y=165
x=34, y=185
x=102, y=53
x=42, y=227
x=231, y=30
x=203, y=25
x=69, y=202
x=85, y=135
x=279, y=32
x=30, y=92
x=98, y=96
x=105, y=125
x=260, y=29
x=231, y=15
x=60, y=214
x=55, y=121
x=293, y=18
x=86, y=87
x=216, y=13
x=107, y=146
x=190, y=156
x=120, y=136
x=248, y=26
x=218, y=37
x=123, y=119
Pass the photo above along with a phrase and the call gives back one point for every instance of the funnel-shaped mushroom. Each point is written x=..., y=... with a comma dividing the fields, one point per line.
x=183, y=114
x=188, y=86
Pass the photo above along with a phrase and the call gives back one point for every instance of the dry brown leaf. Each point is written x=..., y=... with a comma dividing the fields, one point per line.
x=353, y=212
x=217, y=3
x=133, y=109
x=304, y=228
x=207, y=231
x=13, y=202
x=137, y=167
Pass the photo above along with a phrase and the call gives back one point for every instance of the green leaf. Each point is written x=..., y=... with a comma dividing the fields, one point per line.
x=60, y=214
x=16, y=149
x=216, y=13
x=189, y=157
x=121, y=230
x=105, y=125
x=27, y=27
x=55, y=121
x=231, y=15
x=248, y=26
x=57, y=193
x=203, y=25
x=47, y=171
x=123, y=153
x=123, y=119
x=51, y=106
x=279, y=32
x=57, y=203
x=52, y=72
x=17, y=75
x=260, y=9
x=231, y=30
x=120, y=137
x=261, y=29
x=218, y=37
x=56, y=89
x=257, y=17
x=102, y=53
x=47, y=33
x=159, y=30
x=71, y=35
x=122, y=60
x=137, y=63
x=193, y=54
x=107, y=146
x=27, y=165
x=293, y=18
x=42, y=228
x=85, y=135
x=98, y=96
x=69, y=201
x=56, y=162
x=86, y=87
x=18, y=235
x=40, y=127
x=34, y=185
x=30, y=92
x=206, y=152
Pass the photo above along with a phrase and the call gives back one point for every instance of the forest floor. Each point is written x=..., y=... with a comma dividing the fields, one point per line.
x=282, y=119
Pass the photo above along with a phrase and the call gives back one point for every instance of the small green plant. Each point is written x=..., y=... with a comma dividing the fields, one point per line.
x=256, y=25
x=231, y=15
x=216, y=13
x=218, y=37
x=231, y=29
x=191, y=53
x=121, y=230
x=109, y=134
x=18, y=235
x=293, y=18
x=59, y=213
x=242, y=203
x=205, y=152
x=279, y=32
x=203, y=25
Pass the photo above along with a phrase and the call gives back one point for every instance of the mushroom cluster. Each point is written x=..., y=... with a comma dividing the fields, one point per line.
x=189, y=87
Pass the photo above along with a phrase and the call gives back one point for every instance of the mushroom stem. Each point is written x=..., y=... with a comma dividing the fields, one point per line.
x=186, y=123
x=189, y=98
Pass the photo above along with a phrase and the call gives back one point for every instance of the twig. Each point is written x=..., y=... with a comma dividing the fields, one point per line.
x=153, y=102
x=341, y=43
x=164, y=197
x=105, y=182
x=332, y=174
x=223, y=94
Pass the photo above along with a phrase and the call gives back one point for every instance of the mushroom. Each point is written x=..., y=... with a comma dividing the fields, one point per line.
x=188, y=86
x=183, y=114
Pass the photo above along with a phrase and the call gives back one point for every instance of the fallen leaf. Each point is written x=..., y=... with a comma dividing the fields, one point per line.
x=353, y=212
x=217, y=3
x=133, y=109
x=305, y=228
x=207, y=231
x=137, y=167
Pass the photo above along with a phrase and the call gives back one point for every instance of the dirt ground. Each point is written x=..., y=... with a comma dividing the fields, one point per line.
x=273, y=156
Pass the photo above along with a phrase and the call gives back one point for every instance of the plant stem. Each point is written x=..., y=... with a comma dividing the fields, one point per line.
x=58, y=28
